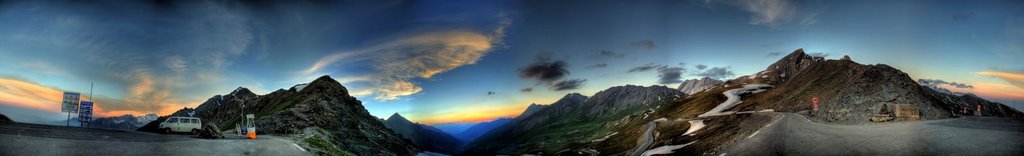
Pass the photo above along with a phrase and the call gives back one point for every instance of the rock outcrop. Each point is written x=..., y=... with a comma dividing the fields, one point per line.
x=210, y=131
x=693, y=86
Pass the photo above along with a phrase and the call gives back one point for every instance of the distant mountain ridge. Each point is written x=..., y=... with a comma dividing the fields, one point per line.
x=480, y=129
x=567, y=118
x=426, y=137
x=126, y=122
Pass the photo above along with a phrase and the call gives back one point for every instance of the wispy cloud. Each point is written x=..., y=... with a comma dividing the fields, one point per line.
x=1014, y=78
x=417, y=56
x=645, y=44
x=768, y=12
x=643, y=68
x=717, y=72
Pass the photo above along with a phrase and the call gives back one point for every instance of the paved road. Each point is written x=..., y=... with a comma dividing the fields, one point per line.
x=794, y=134
x=30, y=139
x=646, y=139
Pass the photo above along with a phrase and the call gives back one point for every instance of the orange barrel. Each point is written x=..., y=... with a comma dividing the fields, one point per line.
x=251, y=135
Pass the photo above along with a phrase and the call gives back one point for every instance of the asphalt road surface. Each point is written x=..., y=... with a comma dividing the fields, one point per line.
x=30, y=139
x=794, y=134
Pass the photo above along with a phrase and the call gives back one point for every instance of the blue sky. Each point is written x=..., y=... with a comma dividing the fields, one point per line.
x=467, y=61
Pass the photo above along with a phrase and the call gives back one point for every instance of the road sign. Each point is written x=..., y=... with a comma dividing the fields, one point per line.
x=815, y=105
x=85, y=111
x=70, y=103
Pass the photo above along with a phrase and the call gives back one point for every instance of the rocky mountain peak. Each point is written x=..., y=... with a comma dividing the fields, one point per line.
x=533, y=108
x=327, y=84
x=242, y=92
x=572, y=98
x=693, y=86
x=398, y=117
x=788, y=66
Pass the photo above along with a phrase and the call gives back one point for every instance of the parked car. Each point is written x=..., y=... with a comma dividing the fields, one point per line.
x=181, y=124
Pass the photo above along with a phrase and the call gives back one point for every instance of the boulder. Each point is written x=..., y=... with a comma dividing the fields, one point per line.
x=210, y=131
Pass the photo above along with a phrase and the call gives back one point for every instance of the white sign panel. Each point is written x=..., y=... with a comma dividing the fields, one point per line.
x=70, y=103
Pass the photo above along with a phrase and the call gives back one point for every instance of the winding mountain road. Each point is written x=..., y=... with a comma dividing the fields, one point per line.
x=646, y=139
x=794, y=134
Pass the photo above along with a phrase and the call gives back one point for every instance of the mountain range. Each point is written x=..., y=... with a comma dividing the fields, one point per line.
x=126, y=122
x=612, y=121
x=322, y=114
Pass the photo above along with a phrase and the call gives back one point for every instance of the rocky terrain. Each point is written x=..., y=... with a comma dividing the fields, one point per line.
x=693, y=86
x=322, y=115
x=426, y=137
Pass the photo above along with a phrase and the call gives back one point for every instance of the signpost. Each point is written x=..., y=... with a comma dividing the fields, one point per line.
x=85, y=113
x=815, y=105
x=70, y=104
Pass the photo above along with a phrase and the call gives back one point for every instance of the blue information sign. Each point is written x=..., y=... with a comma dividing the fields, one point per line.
x=85, y=113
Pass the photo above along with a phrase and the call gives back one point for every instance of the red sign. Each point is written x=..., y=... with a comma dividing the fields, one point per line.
x=815, y=99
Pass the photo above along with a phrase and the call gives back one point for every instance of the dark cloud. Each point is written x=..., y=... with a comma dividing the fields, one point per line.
x=819, y=54
x=646, y=44
x=568, y=84
x=701, y=67
x=644, y=68
x=526, y=90
x=610, y=54
x=545, y=71
x=774, y=54
x=717, y=73
x=551, y=73
x=599, y=65
x=491, y=93
x=963, y=16
x=669, y=75
x=936, y=82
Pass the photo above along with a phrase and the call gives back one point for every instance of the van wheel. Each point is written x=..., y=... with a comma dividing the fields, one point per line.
x=195, y=132
x=167, y=131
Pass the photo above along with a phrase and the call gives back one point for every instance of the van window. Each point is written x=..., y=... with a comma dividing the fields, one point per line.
x=195, y=120
x=172, y=120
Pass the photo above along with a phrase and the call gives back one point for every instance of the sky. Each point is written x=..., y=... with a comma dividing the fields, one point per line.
x=458, y=61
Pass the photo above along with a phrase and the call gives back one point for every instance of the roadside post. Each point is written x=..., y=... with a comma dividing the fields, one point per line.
x=70, y=104
x=814, y=105
x=85, y=114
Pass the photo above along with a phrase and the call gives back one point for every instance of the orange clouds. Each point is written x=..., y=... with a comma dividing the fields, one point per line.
x=29, y=95
x=414, y=56
x=1016, y=79
x=991, y=90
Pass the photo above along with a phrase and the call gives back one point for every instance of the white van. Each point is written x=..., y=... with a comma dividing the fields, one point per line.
x=181, y=124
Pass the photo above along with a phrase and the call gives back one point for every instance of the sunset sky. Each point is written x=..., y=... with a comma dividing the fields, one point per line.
x=443, y=61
